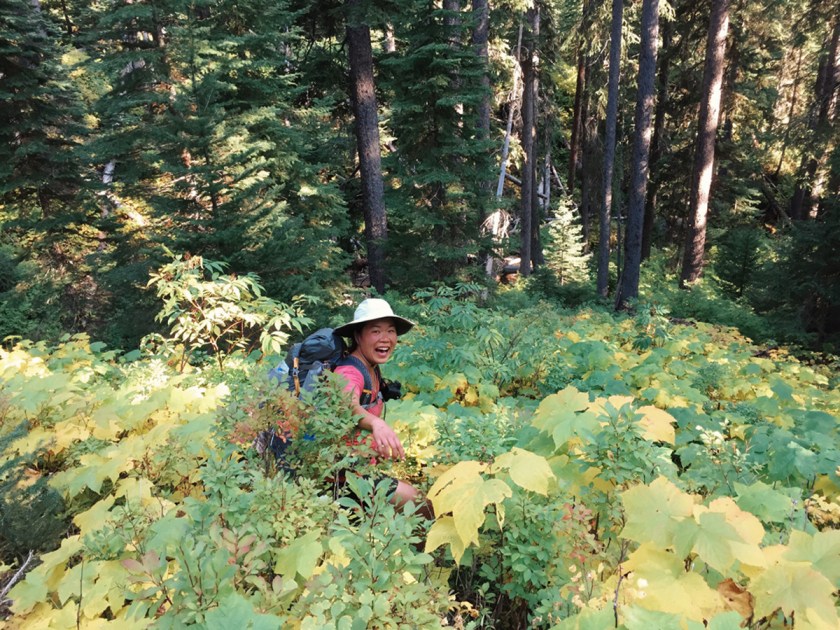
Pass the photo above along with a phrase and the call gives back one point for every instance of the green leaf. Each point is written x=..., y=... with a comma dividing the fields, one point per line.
x=722, y=621
x=636, y=618
x=769, y=504
x=235, y=611
x=822, y=550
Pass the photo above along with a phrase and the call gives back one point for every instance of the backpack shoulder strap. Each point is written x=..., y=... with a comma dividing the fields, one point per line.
x=366, y=400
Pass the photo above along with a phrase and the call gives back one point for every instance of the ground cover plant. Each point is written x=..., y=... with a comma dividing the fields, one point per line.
x=588, y=470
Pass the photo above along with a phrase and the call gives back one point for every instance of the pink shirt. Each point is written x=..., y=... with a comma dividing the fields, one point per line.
x=356, y=383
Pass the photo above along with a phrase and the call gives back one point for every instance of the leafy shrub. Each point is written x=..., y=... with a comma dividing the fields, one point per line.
x=206, y=309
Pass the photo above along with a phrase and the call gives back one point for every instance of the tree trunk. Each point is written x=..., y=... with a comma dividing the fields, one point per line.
x=536, y=207
x=367, y=140
x=452, y=27
x=480, y=38
x=497, y=217
x=390, y=40
x=704, y=153
x=514, y=96
x=791, y=112
x=628, y=287
x=529, y=135
x=609, y=149
x=806, y=196
x=584, y=44
x=656, y=142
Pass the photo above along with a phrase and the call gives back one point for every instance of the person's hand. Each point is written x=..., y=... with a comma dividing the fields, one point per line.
x=385, y=441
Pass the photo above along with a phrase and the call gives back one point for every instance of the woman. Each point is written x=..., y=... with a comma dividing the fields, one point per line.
x=373, y=333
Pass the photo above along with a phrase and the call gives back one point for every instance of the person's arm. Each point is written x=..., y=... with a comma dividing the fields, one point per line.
x=386, y=441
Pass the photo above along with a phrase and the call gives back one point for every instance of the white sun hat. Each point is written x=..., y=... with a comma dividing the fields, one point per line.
x=370, y=310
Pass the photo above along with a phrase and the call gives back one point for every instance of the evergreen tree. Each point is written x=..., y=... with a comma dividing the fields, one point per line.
x=40, y=112
x=441, y=158
x=566, y=253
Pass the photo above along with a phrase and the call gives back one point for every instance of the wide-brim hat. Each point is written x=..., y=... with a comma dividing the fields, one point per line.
x=370, y=310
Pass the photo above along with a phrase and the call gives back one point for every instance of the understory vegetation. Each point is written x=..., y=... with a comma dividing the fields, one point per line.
x=588, y=470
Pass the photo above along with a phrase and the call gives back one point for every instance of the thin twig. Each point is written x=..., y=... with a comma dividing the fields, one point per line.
x=15, y=579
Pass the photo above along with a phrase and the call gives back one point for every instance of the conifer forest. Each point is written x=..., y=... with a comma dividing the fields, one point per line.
x=616, y=225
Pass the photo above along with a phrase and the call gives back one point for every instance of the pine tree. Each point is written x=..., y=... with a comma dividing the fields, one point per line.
x=441, y=158
x=565, y=252
x=40, y=113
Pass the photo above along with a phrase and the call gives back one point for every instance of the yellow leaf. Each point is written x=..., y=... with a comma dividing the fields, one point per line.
x=136, y=490
x=300, y=557
x=443, y=532
x=658, y=425
x=568, y=400
x=462, y=491
x=655, y=511
x=659, y=582
x=796, y=587
x=528, y=470
x=69, y=431
x=95, y=518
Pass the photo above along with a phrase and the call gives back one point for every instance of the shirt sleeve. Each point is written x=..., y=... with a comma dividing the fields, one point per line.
x=356, y=385
x=354, y=378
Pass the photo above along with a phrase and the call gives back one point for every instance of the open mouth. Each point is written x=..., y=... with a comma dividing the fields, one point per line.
x=382, y=352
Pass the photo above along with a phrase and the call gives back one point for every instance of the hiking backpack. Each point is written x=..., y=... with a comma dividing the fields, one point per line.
x=321, y=351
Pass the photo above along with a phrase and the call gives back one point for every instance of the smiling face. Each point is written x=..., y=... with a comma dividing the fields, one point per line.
x=376, y=340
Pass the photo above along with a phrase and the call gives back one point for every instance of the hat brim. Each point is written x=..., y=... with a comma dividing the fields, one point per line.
x=402, y=325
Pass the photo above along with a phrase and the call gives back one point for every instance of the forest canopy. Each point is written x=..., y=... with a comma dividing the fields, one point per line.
x=334, y=147
x=616, y=225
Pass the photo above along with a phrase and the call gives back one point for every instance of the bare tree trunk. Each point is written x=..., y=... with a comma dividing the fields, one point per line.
x=390, y=41
x=603, y=284
x=497, y=218
x=628, y=287
x=529, y=134
x=514, y=97
x=536, y=207
x=704, y=154
x=809, y=188
x=656, y=142
x=367, y=140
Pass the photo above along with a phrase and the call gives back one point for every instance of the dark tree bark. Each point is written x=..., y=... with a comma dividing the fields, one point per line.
x=628, y=287
x=806, y=196
x=704, y=153
x=791, y=111
x=609, y=148
x=656, y=142
x=480, y=38
x=367, y=140
x=589, y=160
x=580, y=87
x=529, y=135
